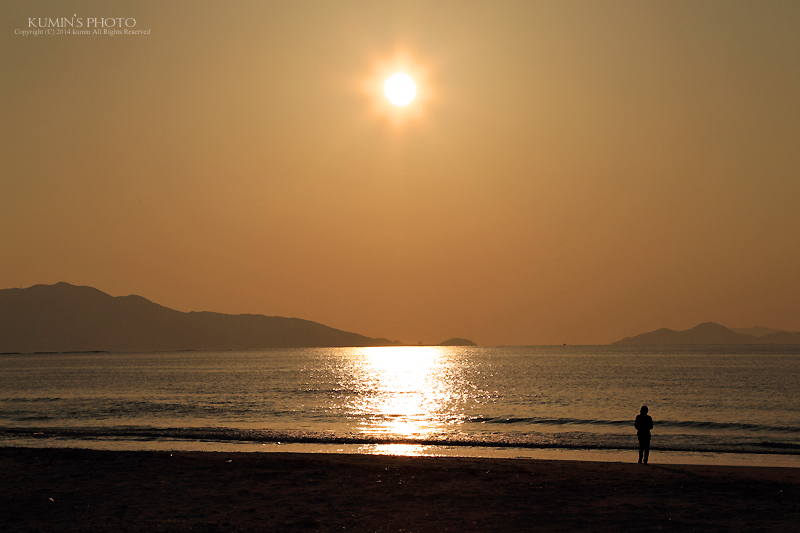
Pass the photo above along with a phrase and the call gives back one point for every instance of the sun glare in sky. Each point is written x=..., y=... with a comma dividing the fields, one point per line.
x=400, y=89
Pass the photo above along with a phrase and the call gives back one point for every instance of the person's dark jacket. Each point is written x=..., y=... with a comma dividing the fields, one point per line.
x=643, y=424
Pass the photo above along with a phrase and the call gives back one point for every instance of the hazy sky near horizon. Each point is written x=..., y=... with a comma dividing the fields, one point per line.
x=571, y=172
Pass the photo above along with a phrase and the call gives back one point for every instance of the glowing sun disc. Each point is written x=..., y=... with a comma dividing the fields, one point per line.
x=400, y=89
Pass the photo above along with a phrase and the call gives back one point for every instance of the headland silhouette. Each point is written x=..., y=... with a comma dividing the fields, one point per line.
x=69, y=318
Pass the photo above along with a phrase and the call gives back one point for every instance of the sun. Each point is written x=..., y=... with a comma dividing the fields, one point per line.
x=400, y=89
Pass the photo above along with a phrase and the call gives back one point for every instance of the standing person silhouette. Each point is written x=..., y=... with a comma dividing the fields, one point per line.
x=643, y=425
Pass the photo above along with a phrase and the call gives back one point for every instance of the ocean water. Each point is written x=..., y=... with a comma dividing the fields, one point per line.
x=723, y=404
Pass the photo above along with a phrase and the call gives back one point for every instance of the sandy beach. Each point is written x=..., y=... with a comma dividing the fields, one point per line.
x=90, y=490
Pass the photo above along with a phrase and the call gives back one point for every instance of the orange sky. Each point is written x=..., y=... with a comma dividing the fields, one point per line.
x=573, y=172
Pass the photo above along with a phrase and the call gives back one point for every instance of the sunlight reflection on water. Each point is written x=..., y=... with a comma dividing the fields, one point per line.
x=409, y=391
x=408, y=450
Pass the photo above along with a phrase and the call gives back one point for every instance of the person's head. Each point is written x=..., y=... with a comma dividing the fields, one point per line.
x=644, y=410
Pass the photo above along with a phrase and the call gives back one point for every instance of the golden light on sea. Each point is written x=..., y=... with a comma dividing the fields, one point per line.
x=404, y=390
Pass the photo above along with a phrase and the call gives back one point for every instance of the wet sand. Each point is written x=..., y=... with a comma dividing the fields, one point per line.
x=88, y=490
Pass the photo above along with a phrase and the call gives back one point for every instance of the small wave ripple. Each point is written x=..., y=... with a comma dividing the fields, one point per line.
x=544, y=441
x=688, y=424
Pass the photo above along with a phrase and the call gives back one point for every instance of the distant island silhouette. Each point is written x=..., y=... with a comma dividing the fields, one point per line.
x=69, y=318
x=457, y=341
x=712, y=333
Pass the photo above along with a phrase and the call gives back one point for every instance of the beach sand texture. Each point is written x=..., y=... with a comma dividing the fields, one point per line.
x=88, y=490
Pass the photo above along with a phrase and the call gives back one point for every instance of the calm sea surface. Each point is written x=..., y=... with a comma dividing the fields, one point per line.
x=712, y=403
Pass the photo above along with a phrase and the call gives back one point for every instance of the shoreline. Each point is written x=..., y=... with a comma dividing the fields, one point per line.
x=410, y=449
x=70, y=489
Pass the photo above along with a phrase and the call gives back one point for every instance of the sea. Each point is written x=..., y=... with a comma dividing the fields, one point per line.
x=736, y=405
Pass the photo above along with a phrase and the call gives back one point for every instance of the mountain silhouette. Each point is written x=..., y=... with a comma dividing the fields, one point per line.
x=69, y=318
x=758, y=331
x=710, y=333
x=457, y=341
